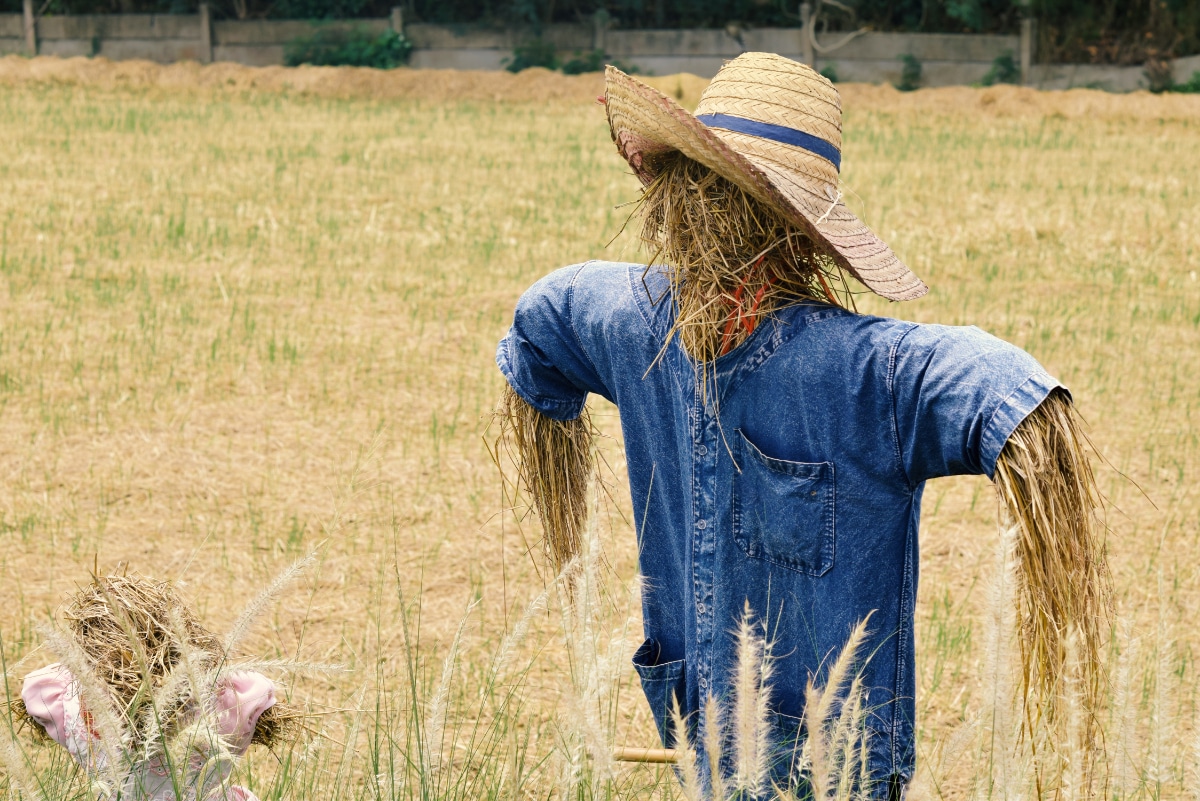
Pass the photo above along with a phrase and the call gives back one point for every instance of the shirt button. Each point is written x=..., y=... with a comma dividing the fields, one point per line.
x=703, y=451
x=703, y=524
x=700, y=607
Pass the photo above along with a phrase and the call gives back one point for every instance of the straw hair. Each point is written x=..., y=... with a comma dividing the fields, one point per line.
x=731, y=259
x=1046, y=485
x=800, y=185
x=555, y=463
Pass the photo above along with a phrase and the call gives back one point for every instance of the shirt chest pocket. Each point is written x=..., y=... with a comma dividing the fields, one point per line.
x=783, y=512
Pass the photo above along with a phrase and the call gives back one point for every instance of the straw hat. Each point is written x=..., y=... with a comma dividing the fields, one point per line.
x=773, y=127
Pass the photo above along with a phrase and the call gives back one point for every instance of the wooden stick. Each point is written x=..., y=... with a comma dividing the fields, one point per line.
x=662, y=756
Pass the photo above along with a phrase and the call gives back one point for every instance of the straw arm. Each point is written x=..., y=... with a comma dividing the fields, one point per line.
x=555, y=461
x=1047, y=490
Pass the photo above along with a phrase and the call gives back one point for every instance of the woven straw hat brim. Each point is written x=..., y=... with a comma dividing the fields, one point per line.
x=802, y=187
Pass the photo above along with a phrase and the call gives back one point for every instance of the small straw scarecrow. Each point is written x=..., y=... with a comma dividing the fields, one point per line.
x=144, y=698
x=777, y=441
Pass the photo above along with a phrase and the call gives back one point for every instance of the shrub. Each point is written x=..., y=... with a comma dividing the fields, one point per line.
x=910, y=73
x=830, y=72
x=1004, y=70
x=594, y=61
x=534, y=53
x=349, y=47
x=1191, y=86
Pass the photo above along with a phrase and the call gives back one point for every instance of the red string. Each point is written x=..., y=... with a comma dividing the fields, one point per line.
x=735, y=318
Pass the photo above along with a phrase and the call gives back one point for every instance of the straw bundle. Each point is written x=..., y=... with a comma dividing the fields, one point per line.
x=1045, y=484
x=732, y=260
x=555, y=463
x=135, y=632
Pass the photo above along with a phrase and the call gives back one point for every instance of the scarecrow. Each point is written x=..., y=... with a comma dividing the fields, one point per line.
x=777, y=441
x=148, y=706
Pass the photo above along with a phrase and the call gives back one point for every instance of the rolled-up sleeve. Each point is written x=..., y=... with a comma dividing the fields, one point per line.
x=541, y=357
x=958, y=394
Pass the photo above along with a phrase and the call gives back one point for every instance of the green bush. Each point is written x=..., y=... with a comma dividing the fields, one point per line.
x=1191, y=86
x=349, y=47
x=595, y=61
x=829, y=71
x=910, y=73
x=1004, y=70
x=534, y=53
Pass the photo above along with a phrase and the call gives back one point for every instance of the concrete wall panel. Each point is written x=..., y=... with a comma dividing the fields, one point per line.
x=65, y=48
x=479, y=59
x=280, y=32
x=12, y=47
x=924, y=46
x=120, y=26
x=251, y=55
x=12, y=26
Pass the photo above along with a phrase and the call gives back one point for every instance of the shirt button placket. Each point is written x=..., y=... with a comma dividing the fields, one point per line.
x=705, y=539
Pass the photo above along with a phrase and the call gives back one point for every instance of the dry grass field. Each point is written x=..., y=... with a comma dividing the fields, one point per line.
x=248, y=314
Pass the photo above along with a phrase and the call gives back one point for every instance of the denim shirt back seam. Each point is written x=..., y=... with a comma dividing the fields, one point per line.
x=570, y=310
x=891, y=385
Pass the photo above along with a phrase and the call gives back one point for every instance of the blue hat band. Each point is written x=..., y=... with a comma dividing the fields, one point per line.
x=776, y=133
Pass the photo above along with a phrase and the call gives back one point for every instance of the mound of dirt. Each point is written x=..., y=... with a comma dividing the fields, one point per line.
x=532, y=85
x=540, y=86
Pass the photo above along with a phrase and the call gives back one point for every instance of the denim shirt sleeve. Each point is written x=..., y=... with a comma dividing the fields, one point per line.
x=541, y=356
x=958, y=394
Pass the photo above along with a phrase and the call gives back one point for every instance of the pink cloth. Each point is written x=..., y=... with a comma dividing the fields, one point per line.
x=52, y=700
x=45, y=692
x=241, y=700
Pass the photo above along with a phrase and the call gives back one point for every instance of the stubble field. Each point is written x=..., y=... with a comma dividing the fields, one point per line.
x=246, y=315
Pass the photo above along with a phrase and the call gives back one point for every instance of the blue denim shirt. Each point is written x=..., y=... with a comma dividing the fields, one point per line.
x=801, y=497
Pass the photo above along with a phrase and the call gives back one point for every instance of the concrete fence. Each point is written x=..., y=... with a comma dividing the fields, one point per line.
x=945, y=59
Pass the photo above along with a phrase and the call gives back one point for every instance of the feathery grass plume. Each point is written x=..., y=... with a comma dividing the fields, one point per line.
x=97, y=698
x=731, y=259
x=685, y=754
x=822, y=752
x=199, y=756
x=1047, y=489
x=1075, y=751
x=264, y=600
x=849, y=740
x=1124, y=719
x=555, y=461
x=714, y=745
x=998, y=731
x=514, y=638
x=181, y=688
x=1160, y=757
x=17, y=769
x=435, y=720
x=1192, y=780
x=751, y=708
x=596, y=661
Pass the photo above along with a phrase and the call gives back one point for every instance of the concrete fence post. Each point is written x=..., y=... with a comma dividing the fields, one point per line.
x=600, y=23
x=1028, y=49
x=31, y=44
x=206, y=38
x=396, y=20
x=806, y=35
